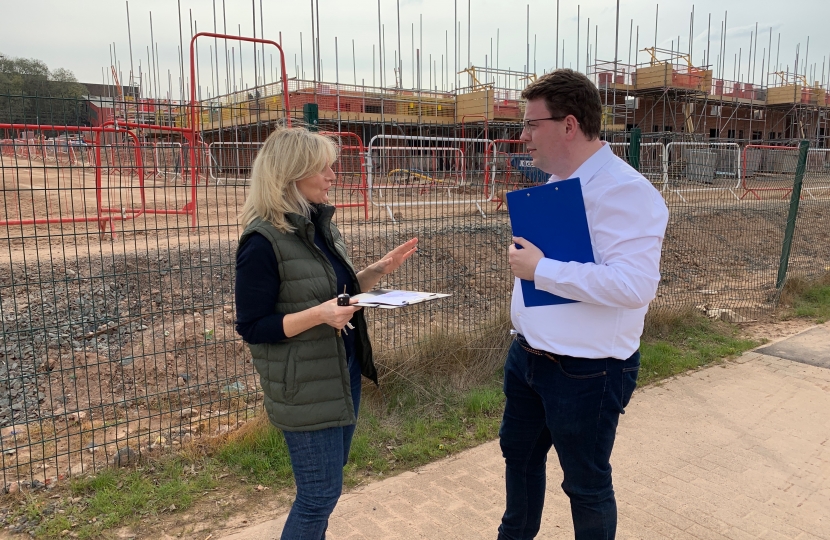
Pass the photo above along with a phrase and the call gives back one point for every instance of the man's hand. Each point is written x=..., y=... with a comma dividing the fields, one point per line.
x=523, y=261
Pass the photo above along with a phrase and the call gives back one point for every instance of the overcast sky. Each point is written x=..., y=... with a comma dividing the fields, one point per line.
x=79, y=35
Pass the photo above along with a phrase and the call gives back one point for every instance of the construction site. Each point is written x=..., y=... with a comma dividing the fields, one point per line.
x=119, y=217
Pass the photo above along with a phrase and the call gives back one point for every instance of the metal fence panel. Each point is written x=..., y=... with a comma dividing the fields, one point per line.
x=117, y=308
x=702, y=166
x=652, y=160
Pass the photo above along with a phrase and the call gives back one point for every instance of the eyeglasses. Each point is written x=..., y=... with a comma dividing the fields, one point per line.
x=530, y=124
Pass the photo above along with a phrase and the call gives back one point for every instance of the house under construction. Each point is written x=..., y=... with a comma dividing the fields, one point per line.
x=666, y=97
x=694, y=127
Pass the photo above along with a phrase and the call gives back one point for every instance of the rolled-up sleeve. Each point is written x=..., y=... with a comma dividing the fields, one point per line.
x=628, y=237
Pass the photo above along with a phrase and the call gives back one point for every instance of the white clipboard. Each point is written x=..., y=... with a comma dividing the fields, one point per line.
x=393, y=298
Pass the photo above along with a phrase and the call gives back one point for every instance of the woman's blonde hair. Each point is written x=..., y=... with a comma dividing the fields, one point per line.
x=288, y=155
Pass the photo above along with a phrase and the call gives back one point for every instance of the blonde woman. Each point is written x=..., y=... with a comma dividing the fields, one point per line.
x=309, y=352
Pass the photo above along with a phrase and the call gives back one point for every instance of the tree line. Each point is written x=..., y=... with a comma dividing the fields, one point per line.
x=31, y=93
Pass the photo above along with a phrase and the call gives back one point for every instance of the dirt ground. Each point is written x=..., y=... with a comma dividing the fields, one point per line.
x=125, y=336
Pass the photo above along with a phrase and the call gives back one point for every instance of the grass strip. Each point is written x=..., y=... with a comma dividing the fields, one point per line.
x=808, y=299
x=91, y=506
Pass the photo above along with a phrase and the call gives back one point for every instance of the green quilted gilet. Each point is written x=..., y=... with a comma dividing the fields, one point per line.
x=305, y=378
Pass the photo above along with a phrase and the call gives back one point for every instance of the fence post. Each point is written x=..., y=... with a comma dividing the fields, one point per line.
x=311, y=116
x=634, y=149
x=795, y=198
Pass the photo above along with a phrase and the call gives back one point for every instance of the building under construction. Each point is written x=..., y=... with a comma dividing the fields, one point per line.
x=681, y=113
x=667, y=98
x=666, y=95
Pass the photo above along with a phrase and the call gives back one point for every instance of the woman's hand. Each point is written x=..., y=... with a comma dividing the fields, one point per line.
x=326, y=313
x=390, y=262
x=336, y=316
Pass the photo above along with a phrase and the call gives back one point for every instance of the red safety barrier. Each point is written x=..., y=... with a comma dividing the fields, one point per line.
x=104, y=215
x=190, y=207
x=342, y=171
x=193, y=132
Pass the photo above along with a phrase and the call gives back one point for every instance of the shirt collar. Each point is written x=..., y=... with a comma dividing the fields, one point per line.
x=591, y=166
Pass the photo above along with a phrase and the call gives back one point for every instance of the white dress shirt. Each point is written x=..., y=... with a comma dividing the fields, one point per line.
x=627, y=220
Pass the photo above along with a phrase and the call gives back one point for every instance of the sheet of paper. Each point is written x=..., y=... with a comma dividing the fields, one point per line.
x=396, y=298
x=391, y=299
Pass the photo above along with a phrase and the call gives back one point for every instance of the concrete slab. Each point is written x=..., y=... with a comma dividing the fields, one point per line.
x=810, y=347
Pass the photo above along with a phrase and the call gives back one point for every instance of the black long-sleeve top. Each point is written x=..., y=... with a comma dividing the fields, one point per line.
x=258, y=285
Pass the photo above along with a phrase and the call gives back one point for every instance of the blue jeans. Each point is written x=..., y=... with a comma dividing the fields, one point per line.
x=573, y=404
x=317, y=459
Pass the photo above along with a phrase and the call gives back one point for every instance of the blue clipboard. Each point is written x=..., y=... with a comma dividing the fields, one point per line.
x=551, y=217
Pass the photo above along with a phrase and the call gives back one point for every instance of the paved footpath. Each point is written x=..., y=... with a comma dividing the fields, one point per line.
x=739, y=451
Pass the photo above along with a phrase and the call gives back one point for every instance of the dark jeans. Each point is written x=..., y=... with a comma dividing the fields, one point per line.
x=317, y=459
x=573, y=404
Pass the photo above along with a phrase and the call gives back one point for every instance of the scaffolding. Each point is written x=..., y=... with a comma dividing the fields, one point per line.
x=670, y=99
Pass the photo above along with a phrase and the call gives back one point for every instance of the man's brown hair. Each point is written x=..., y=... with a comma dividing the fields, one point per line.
x=567, y=92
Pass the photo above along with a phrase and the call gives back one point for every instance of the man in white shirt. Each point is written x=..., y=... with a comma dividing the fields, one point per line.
x=573, y=367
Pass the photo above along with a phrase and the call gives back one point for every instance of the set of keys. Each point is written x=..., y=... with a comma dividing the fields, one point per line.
x=344, y=299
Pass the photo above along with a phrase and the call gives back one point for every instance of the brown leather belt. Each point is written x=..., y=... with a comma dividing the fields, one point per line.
x=538, y=352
